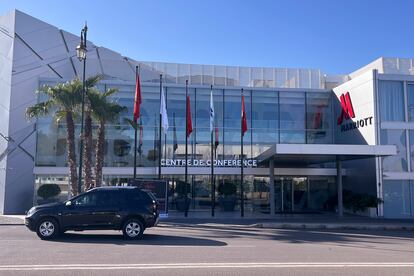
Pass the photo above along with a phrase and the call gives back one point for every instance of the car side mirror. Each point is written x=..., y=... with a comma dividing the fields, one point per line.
x=68, y=203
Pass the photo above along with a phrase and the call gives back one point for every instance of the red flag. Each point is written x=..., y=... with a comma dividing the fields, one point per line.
x=138, y=99
x=189, y=122
x=243, y=114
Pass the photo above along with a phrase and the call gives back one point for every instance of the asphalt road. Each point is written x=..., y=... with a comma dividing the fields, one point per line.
x=210, y=249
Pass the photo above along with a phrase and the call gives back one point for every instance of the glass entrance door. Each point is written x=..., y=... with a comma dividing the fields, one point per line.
x=300, y=194
x=287, y=193
x=291, y=194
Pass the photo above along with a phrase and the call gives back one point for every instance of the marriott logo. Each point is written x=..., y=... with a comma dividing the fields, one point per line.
x=347, y=113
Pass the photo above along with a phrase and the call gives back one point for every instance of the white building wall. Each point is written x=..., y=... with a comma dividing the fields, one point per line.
x=6, y=60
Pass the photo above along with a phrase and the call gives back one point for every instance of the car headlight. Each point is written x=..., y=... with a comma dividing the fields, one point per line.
x=31, y=212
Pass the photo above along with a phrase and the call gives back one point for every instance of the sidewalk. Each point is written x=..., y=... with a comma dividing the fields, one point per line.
x=313, y=222
x=332, y=222
x=11, y=220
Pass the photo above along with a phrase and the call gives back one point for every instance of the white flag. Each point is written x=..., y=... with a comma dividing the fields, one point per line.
x=163, y=112
x=211, y=111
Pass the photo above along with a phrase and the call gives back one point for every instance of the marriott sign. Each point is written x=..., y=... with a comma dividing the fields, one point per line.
x=347, y=113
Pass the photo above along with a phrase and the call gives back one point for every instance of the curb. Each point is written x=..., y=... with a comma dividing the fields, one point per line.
x=333, y=226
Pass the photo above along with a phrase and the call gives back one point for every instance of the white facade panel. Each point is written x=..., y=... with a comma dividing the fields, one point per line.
x=362, y=128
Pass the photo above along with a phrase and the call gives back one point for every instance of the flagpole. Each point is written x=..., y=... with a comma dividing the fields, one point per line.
x=186, y=148
x=140, y=141
x=160, y=135
x=242, y=165
x=135, y=153
x=212, y=153
x=155, y=137
x=135, y=132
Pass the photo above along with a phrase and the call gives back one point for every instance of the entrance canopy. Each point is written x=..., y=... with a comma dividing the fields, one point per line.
x=306, y=154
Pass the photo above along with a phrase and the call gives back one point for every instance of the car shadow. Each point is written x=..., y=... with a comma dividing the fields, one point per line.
x=147, y=239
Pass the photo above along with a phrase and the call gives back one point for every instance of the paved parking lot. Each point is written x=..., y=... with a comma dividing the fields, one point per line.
x=209, y=249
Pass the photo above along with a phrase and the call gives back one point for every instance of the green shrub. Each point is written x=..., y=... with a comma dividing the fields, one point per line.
x=359, y=202
x=228, y=188
x=48, y=190
x=181, y=188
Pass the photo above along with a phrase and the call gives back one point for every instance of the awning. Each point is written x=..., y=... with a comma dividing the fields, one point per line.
x=306, y=154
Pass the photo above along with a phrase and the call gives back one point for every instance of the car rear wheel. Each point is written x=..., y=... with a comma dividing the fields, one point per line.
x=47, y=229
x=133, y=229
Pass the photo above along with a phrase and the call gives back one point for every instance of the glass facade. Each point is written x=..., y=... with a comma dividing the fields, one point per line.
x=398, y=193
x=219, y=75
x=397, y=163
x=391, y=96
x=399, y=198
x=272, y=117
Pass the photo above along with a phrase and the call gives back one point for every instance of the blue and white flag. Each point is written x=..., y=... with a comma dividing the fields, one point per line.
x=163, y=112
x=211, y=111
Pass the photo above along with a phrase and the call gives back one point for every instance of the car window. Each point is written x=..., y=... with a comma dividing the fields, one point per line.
x=88, y=199
x=107, y=198
x=152, y=196
x=138, y=197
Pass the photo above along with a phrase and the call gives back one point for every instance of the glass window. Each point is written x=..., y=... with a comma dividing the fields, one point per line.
x=62, y=194
x=202, y=120
x=105, y=198
x=397, y=198
x=292, y=117
x=89, y=199
x=121, y=148
x=176, y=108
x=232, y=122
x=411, y=133
x=265, y=120
x=398, y=162
x=391, y=96
x=318, y=118
x=410, y=96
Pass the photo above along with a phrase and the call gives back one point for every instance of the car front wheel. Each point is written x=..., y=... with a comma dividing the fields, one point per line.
x=47, y=229
x=133, y=229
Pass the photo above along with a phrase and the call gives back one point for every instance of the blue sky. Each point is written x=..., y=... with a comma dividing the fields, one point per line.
x=336, y=36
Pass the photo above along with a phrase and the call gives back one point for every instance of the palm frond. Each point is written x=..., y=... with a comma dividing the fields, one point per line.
x=93, y=81
x=60, y=115
x=40, y=109
x=110, y=92
x=134, y=124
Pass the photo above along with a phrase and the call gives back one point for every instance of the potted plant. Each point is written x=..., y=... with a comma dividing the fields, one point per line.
x=48, y=192
x=362, y=204
x=227, y=196
x=182, y=201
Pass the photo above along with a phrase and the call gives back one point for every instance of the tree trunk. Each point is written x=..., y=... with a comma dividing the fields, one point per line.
x=73, y=177
x=100, y=154
x=87, y=149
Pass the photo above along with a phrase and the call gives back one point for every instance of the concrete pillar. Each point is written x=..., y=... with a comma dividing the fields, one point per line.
x=272, y=187
x=339, y=184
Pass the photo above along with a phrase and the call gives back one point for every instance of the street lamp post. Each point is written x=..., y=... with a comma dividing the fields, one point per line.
x=81, y=54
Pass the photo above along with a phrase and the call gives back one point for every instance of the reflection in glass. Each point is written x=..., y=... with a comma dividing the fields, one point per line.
x=396, y=162
x=318, y=118
x=391, y=96
x=292, y=117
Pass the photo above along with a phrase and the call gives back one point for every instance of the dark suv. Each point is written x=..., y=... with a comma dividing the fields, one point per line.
x=114, y=208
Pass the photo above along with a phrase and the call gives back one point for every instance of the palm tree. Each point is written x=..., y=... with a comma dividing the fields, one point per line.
x=63, y=99
x=88, y=144
x=103, y=111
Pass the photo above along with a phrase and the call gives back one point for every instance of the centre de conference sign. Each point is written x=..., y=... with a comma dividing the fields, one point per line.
x=207, y=163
